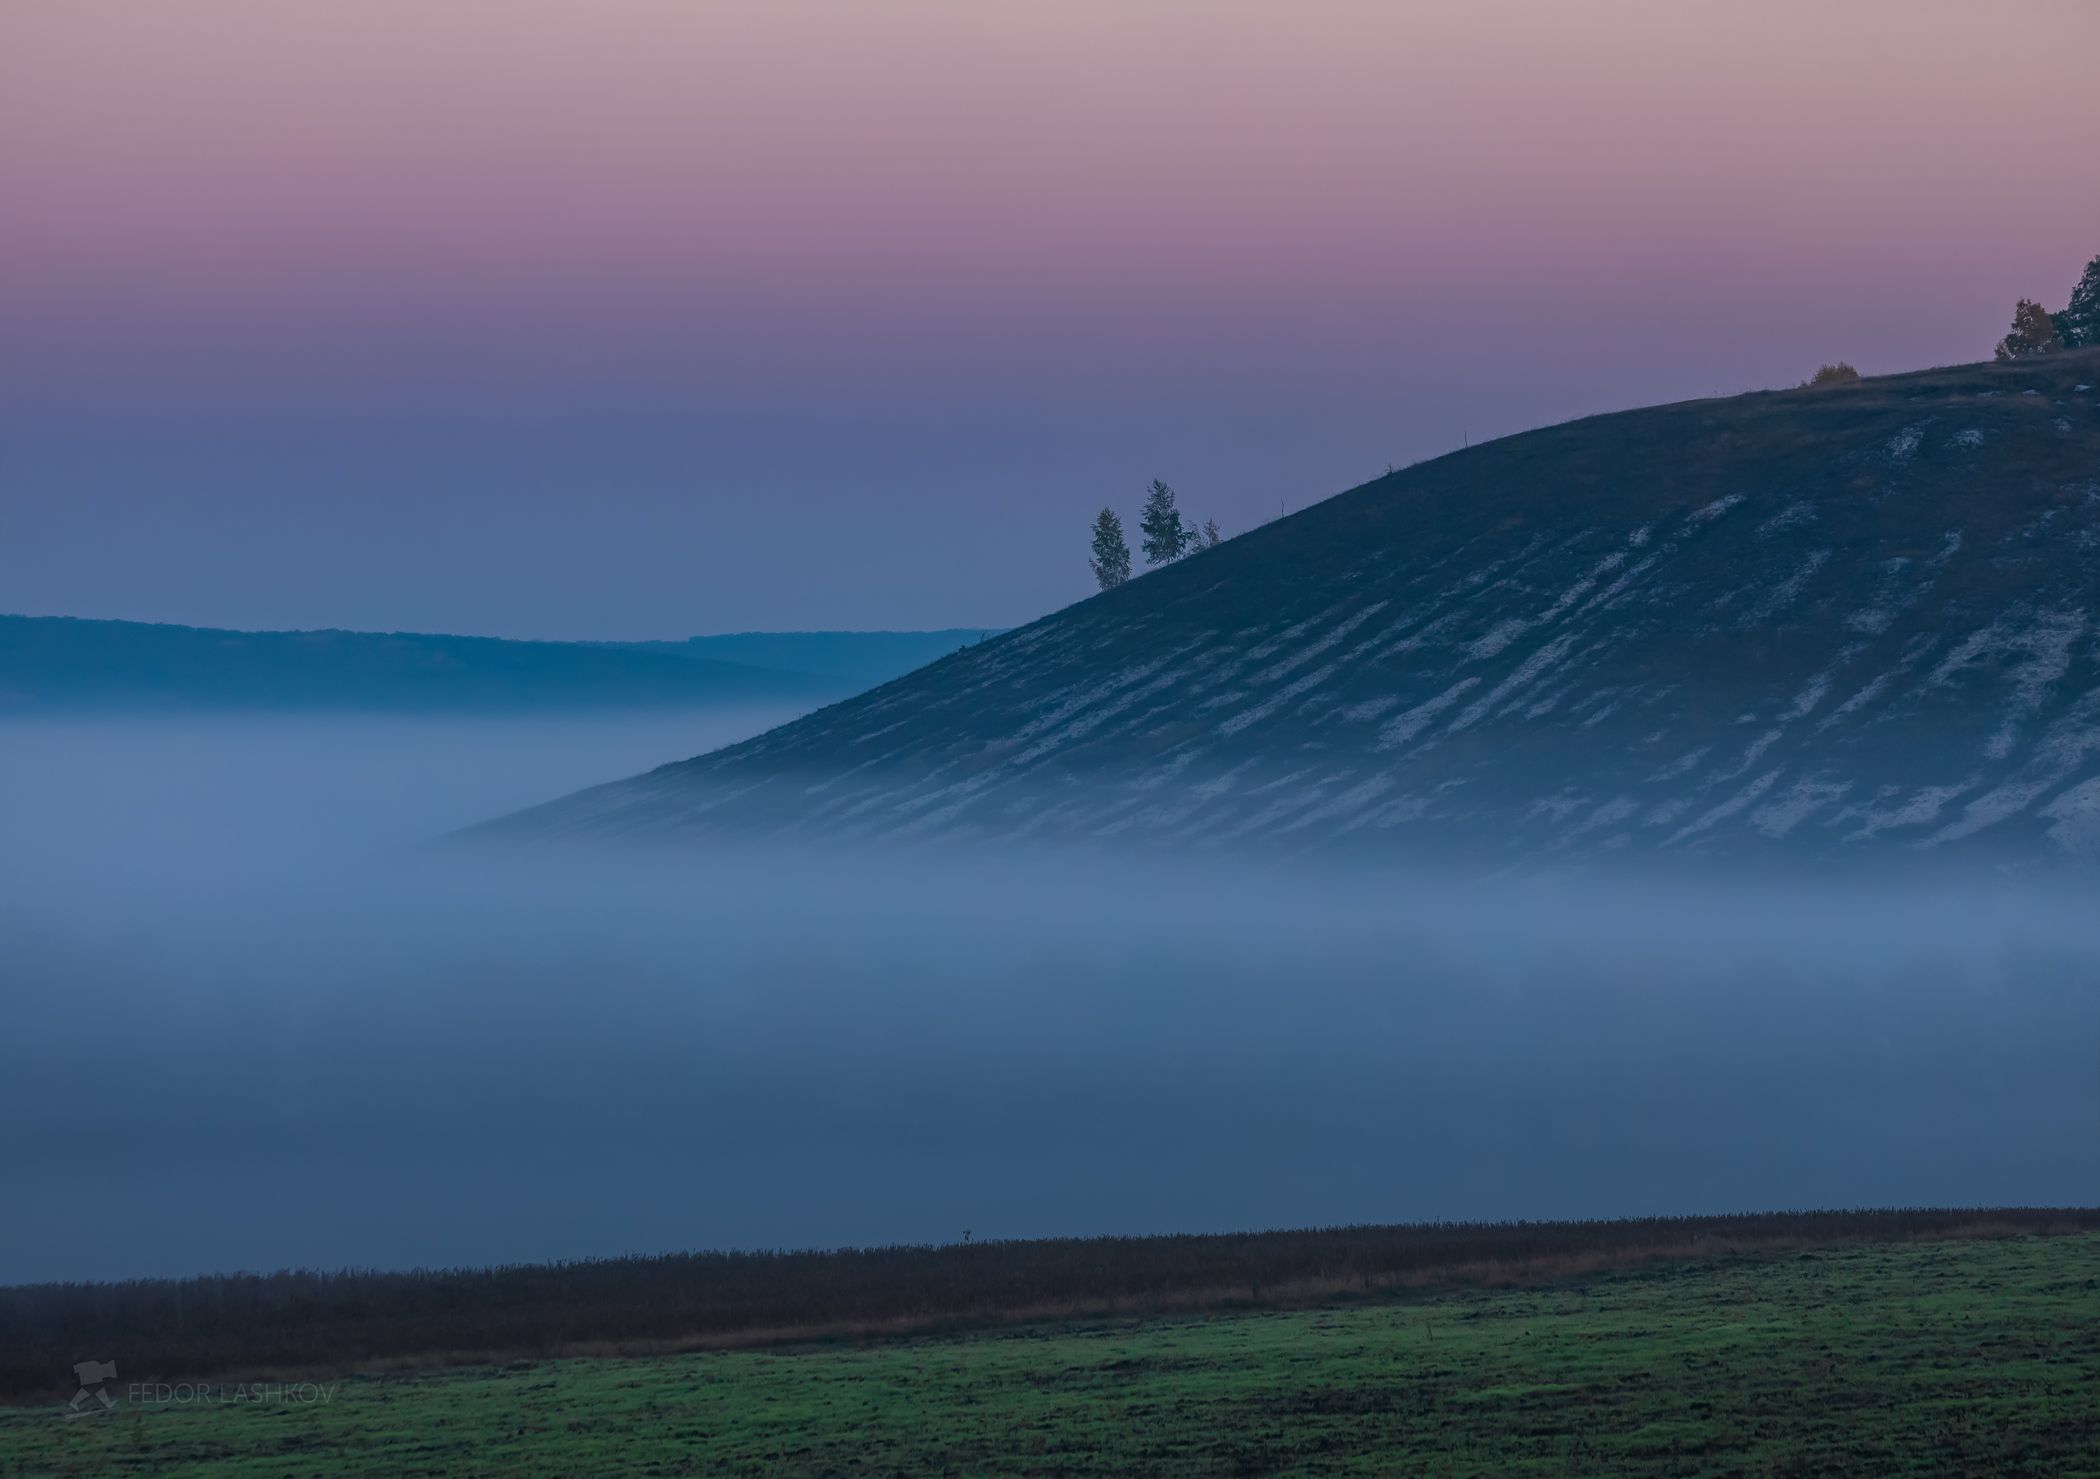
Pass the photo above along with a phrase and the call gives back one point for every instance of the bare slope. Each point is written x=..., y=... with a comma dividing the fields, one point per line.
x=1860, y=617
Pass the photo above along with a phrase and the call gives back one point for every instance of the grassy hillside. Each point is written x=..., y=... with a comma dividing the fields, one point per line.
x=1818, y=621
x=1906, y=1358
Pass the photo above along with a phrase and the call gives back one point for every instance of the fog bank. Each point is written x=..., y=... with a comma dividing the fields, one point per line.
x=248, y=1022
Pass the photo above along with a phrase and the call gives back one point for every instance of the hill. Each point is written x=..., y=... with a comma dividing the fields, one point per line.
x=856, y=659
x=63, y=664
x=1825, y=620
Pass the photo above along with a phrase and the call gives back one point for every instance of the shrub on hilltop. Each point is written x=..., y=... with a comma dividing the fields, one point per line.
x=2033, y=333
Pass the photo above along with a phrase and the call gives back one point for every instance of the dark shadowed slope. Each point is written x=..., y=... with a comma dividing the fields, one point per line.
x=1830, y=620
x=62, y=664
x=857, y=659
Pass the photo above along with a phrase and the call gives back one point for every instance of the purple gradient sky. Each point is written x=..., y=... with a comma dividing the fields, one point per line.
x=647, y=317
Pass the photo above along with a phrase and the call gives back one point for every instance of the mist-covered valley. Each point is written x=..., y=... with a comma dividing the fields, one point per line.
x=254, y=1020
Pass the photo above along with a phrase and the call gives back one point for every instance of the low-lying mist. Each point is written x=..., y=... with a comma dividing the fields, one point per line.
x=248, y=1021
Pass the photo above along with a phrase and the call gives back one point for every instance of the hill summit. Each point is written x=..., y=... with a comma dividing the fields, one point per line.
x=1833, y=619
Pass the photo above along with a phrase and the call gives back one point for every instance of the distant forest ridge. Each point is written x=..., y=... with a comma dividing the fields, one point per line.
x=51, y=664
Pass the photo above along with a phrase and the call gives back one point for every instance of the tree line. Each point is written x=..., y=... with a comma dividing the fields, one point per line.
x=1164, y=534
x=2035, y=330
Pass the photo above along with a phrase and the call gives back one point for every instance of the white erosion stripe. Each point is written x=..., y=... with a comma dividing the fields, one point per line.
x=1904, y=444
x=1793, y=516
x=1277, y=700
x=1751, y=755
x=1557, y=808
x=1665, y=812
x=1620, y=591
x=1966, y=652
x=1728, y=808
x=1410, y=808
x=1354, y=802
x=1534, y=667
x=1897, y=595
x=875, y=734
x=1787, y=591
x=1212, y=787
x=1872, y=620
x=1281, y=640
x=1713, y=510
x=1503, y=634
x=1277, y=810
x=1913, y=653
x=2064, y=748
x=1435, y=618
x=1508, y=631
x=2076, y=814
x=1605, y=702
x=1619, y=809
x=1542, y=707
x=1073, y=702
x=1312, y=650
x=1922, y=809
x=1420, y=637
x=1993, y=807
x=1402, y=728
x=1806, y=797
x=1166, y=770
x=2048, y=646
x=1372, y=708
x=1083, y=724
x=1806, y=700
x=1681, y=765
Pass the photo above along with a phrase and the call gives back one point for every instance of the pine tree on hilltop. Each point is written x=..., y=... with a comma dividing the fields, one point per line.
x=1165, y=536
x=1111, y=561
x=1208, y=536
x=2079, y=324
x=2033, y=333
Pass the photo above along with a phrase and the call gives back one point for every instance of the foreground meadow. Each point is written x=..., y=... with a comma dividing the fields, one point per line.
x=1978, y=1357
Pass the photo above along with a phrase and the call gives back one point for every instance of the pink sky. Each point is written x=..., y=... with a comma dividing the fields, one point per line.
x=1259, y=249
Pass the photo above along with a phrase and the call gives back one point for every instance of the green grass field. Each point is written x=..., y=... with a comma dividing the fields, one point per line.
x=1973, y=1357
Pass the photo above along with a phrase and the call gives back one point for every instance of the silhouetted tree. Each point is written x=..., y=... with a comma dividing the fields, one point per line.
x=1207, y=537
x=1111, y=561
x=2033, y=333
x=1837, y=374
x=2079, y=324
x=1165, y=536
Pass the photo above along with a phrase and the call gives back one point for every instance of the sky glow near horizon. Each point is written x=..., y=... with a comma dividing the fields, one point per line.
x=644, y=318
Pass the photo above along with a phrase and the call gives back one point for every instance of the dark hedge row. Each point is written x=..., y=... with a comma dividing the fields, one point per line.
x=192, y=1328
